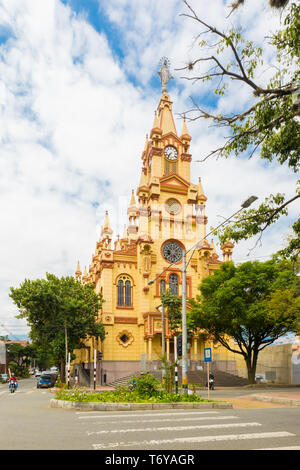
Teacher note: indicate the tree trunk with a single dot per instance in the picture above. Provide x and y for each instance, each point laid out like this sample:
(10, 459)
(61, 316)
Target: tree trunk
(251, 362)
(62, 370)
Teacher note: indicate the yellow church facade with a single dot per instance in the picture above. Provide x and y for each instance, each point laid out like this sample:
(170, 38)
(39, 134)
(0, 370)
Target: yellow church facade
(166, 213)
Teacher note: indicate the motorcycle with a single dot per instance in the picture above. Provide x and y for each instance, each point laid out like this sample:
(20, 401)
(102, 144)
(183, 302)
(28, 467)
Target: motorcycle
(211, 383)
(12, 387)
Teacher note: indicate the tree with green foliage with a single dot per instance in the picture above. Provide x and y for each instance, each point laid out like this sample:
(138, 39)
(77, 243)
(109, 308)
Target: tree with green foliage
(173, 306)
(248, 307)
(60, 312)
(19, 357)
(270, 126)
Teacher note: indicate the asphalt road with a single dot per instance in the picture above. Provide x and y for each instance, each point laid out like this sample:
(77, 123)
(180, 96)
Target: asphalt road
(28, 423)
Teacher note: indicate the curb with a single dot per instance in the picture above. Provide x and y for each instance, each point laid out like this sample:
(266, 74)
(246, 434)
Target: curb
(93, 406)
(281, 400)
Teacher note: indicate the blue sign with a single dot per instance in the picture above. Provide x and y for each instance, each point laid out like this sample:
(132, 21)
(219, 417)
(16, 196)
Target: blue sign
(207, 354)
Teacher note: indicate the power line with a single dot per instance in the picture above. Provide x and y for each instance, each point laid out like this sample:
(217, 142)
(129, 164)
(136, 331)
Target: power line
(3, 326)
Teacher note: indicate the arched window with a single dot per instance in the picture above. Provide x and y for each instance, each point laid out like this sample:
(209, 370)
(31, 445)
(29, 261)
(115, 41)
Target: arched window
(127, 293)
(173, 283)
(124, 292)
(120, 293)
(162, 287)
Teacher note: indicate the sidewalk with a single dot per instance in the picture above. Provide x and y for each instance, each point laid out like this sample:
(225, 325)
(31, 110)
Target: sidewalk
(259, 397)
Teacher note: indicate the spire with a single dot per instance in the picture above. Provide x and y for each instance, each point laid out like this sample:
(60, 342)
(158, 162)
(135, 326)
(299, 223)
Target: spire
(106, 231)
(132, 201)
(85, 275)
(132, 210)
(185, 132)
(201, 196)
(106, 222)
(156, 122)
(143, 179)
(165, 116)
(78, 271)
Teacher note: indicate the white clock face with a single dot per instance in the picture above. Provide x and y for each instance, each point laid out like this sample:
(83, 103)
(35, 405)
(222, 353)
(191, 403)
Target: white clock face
(171, 152)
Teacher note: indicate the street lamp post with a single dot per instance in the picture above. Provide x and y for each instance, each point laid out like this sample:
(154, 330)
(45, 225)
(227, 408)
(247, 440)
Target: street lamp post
(160, 308)
(184, 328)
(244, 205)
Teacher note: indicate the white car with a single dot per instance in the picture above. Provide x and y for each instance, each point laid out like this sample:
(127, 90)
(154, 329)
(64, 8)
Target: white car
(260, 379)
(38, 373)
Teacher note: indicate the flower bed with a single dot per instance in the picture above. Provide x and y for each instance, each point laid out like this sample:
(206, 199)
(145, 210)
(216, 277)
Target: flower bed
(144, 389)
(125, 396)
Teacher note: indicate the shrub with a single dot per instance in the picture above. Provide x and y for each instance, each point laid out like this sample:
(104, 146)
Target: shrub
(146, 385)
(124, 396)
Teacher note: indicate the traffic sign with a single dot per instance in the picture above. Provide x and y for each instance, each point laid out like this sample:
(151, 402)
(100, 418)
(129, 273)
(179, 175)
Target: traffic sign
(207, 354)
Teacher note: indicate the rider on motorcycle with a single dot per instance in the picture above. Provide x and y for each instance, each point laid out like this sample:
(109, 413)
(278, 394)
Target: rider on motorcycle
(14, 379)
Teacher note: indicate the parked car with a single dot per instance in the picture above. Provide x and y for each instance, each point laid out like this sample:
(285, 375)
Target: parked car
(46, 381)
(4, 378)
(38, 373)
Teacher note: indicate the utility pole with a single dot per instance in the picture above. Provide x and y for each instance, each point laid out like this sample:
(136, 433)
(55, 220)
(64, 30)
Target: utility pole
(176, 366)
(66, 347)
(95, 367)
(163, 339)
(184, 329)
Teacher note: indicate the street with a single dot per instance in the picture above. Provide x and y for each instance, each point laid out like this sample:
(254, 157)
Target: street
(28, 423)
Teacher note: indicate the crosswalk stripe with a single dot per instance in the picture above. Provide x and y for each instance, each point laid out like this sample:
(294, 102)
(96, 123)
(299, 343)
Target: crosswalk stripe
(126, 415)
(281, 448)
(197, 439)
(200, 418)
(178, 428)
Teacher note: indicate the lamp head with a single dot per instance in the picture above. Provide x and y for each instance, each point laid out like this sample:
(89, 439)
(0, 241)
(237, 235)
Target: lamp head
(249, 201)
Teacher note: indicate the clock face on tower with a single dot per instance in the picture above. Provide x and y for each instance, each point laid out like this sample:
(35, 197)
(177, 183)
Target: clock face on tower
(170, 152)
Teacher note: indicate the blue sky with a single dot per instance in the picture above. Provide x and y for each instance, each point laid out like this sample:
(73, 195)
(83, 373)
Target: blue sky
(78, 90)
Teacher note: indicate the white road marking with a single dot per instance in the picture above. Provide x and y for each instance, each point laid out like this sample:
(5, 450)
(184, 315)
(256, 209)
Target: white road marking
(125, 414)
(197, 439)
(178, 428)
(281, 448)
(172, 420)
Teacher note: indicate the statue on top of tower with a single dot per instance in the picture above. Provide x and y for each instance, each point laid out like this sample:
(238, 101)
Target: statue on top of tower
(164, 73)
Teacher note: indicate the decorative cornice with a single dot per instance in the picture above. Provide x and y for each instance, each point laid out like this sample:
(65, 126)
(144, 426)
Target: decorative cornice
(186, 157)
(128, 320)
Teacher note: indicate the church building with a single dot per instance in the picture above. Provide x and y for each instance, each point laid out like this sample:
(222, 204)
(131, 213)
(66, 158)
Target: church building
(167, 212)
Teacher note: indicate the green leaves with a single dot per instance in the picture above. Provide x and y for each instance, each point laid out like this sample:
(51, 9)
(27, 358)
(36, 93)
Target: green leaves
(269, 127)
(254, 303)
(50, 304)
(172, 303)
